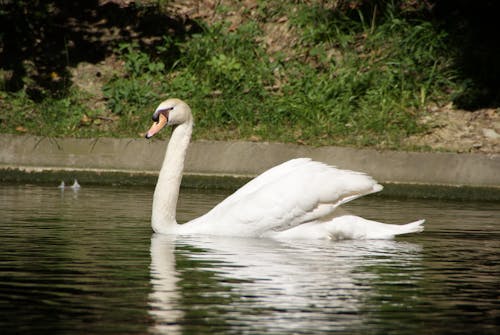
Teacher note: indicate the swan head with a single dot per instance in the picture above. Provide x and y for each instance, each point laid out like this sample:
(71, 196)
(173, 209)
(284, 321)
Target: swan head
(170, 112)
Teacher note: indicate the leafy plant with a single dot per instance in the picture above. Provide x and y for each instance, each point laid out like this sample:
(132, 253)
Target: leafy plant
(128, 95)
(355, 77)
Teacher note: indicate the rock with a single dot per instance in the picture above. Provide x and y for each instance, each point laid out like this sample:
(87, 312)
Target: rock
(490, 133)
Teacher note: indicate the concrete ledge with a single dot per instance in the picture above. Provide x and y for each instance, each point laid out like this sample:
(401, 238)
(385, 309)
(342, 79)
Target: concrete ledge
(140, 158)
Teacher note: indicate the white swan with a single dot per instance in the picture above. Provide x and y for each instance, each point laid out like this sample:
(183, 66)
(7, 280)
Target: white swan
(296, 199)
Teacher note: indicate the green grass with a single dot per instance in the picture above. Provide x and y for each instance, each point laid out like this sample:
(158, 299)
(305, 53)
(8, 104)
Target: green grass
(349, 81)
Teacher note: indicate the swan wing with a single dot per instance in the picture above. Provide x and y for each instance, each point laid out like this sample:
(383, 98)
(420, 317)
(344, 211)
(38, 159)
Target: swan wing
(283, 197)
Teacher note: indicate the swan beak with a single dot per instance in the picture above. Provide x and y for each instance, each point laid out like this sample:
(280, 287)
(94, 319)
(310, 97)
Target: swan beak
(156, 127)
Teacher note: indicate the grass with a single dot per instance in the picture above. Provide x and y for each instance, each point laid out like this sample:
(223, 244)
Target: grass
(349, 80)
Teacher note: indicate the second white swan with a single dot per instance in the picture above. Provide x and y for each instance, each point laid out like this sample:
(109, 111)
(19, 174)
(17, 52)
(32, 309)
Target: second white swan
(298, 199)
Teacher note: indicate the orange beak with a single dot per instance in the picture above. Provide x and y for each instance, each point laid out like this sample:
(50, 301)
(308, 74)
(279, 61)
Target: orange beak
(157, 126)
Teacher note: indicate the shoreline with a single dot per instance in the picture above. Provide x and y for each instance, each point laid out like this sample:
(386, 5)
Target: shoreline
(218, 164)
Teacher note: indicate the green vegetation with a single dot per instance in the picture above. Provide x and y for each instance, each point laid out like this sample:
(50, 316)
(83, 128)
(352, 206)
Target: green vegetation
(351, 77)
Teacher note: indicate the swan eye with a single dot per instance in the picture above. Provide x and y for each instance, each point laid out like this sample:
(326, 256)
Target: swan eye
(156, 115)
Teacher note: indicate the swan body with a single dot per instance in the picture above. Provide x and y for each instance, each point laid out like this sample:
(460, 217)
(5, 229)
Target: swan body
(298, 199)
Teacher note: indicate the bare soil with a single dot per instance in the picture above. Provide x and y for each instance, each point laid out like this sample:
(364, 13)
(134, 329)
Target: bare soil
(460, 131)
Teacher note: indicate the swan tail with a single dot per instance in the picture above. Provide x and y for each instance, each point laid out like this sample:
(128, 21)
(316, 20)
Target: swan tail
(412, 227)
(355, 227)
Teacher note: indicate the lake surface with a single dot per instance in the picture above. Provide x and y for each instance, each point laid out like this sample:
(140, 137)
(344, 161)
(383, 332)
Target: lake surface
(86, 262)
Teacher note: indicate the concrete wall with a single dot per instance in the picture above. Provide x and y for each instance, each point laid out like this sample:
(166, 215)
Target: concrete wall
(141, 156)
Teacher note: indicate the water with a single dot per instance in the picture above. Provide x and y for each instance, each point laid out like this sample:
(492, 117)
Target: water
(86, 262)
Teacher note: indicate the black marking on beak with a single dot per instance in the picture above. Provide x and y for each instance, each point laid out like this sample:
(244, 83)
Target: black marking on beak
(156, 115)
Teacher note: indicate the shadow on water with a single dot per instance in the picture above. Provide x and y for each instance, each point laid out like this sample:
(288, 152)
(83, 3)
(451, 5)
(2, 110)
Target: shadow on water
(86, 262)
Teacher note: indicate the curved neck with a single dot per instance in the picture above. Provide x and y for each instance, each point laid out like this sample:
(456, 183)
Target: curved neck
(169, 180)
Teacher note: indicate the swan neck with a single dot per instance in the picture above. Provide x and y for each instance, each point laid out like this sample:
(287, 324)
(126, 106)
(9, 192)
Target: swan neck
(169, 180)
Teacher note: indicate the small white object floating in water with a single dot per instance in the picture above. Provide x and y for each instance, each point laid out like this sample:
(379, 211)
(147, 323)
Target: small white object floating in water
(75, 185)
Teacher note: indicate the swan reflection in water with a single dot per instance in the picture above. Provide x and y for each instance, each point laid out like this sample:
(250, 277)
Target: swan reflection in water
(254, 284)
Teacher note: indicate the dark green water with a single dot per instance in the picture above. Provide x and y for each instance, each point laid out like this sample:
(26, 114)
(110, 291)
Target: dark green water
(86, 262)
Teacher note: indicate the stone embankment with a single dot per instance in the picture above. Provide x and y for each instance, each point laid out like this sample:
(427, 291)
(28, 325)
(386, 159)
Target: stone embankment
(229, 164)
